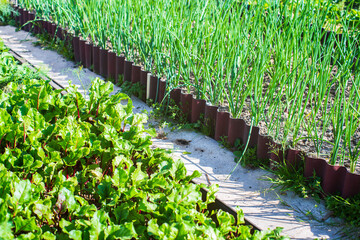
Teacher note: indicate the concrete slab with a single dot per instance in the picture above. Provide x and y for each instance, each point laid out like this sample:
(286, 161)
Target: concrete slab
(267, 208)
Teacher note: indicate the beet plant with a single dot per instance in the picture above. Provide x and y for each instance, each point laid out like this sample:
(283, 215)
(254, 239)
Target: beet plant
(85, 169)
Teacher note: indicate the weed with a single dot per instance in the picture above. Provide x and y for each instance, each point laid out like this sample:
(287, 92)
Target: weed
(110, 79)
(348, 209)
(206, 126)
(133, 89)
(289, 178)
(120, 80)
(225, 143)
(168, 112)
(249, 160)
(173, 116)
(62, 47)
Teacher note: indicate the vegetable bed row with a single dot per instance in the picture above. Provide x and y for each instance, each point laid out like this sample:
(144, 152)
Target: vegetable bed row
(95, 54)
(83, 169)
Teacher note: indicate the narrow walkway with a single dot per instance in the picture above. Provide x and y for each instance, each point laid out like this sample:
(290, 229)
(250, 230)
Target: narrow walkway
(300, 218)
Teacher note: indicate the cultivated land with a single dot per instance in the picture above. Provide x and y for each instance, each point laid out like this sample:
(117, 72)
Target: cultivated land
(261, 205)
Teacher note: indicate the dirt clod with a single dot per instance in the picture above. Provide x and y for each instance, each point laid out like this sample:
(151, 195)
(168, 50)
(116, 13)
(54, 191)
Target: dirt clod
(182, 142)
